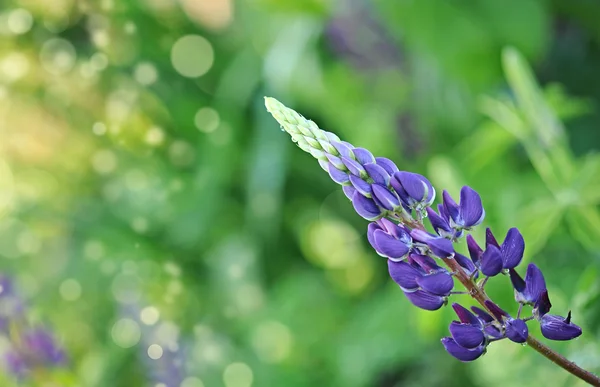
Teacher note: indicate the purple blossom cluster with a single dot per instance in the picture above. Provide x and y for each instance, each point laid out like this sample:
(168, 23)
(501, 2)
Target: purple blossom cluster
(32, 347)
(415, 256)
(425, 263)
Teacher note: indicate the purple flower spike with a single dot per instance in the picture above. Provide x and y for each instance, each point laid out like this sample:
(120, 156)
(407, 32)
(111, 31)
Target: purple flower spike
(466, 335)
(15, 363)
(512, 249)
(366, 207)
(440, 283)
(404, 274)
(559, 328)
(42, 345)
(461, 353)
(414, 190)
(491, 261)
(516, 330)
(425, 300)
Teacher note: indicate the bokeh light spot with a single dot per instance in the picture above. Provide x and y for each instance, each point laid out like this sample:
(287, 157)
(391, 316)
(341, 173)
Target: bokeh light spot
(207, 120)
(154, 136)
(272, 341)
(191, 382)
(238, 375)
(126, 333)
(192, 56)
(19, 21)
(145, 73)
(155, 351)
(149, 315)
(99, 128)
(104, 161)
(57, 56)
(70, 290)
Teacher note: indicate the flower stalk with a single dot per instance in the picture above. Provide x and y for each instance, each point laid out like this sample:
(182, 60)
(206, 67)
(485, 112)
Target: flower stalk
(396, 202)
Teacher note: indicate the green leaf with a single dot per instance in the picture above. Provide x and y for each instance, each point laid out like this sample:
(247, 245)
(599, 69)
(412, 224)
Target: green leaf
(584, 224)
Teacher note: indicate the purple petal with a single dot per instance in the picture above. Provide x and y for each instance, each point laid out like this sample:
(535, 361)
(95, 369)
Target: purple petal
(558, 328)
(462, 353)
(491, 261)
(438, 223)
(378, 174)
(465, 263)
(495, 310)
(466, 335)
(354, 167)
(465, 316)
(441, 247)
(385, 198)
(519, 285)
(363, 156)
(15, 364)
(516, 330)
(340, 177)
(535, 283)
(542, 305)
(421, 236)
(387, 164)
(512, 249)
(474, 250)
(492, 332)
(349, 191)
(361, 186)
(425, 300)
(343, 148)
(336, 162)
(490, 239)
(471, 209)
(404, 274)
(366, 207)
(443, 213)
(482, 314)
(371, 228)
(450, 206)
(427, 263)
(417, 187)
(440, 284)
(389, 246)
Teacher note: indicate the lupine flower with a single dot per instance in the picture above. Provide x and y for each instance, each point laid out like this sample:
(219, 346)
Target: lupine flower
(469, 213)
(389, 198)
(529, 290)
(389, 239)
(415, 190)
(559, 328)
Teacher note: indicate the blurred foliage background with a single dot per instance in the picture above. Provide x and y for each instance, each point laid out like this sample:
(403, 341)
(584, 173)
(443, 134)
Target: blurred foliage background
(157, 222)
